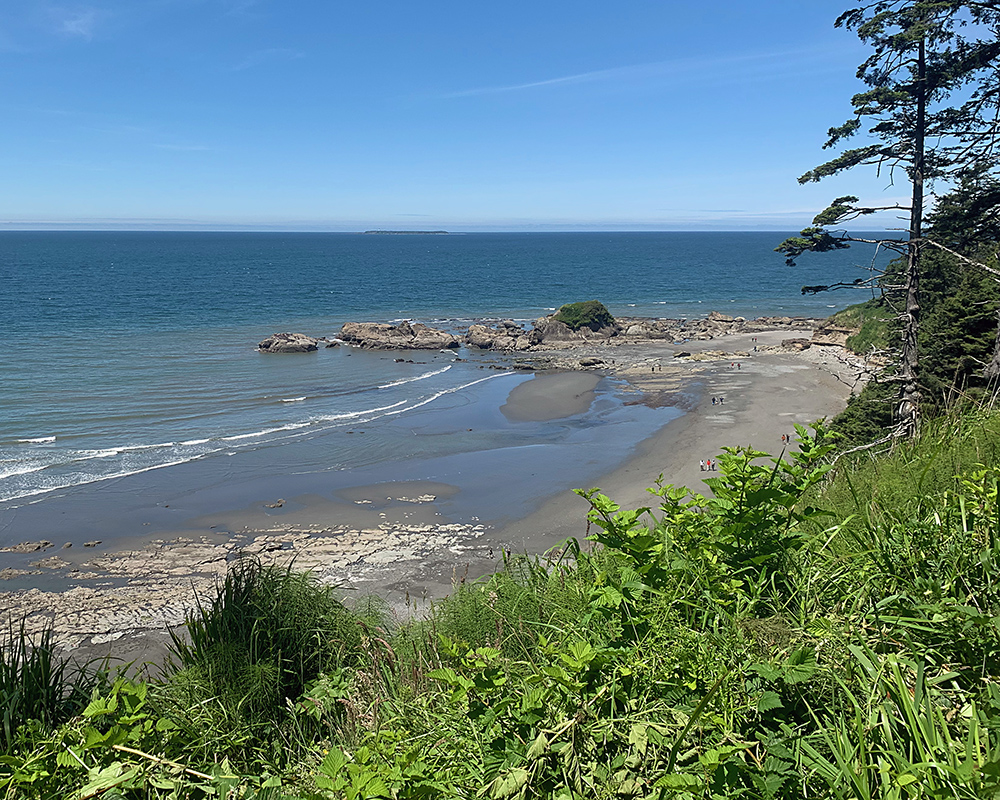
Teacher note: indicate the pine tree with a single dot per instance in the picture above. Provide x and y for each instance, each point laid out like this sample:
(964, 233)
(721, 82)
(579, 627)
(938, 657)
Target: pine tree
(922, 53)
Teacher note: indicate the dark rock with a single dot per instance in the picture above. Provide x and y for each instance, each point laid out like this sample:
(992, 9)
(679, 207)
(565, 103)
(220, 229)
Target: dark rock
(548, 329)
(288, 343)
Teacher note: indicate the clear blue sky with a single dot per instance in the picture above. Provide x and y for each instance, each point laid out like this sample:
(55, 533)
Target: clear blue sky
(316, 115)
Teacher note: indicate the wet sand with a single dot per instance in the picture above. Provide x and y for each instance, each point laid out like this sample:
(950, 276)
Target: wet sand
(392, 539)
(549, 397)
(764, 398)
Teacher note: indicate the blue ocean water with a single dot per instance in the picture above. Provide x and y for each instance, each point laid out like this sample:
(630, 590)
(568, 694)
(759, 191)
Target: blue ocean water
(128, 352)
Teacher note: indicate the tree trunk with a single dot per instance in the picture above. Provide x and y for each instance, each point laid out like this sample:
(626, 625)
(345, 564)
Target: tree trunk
(908, 410)
(993, 368)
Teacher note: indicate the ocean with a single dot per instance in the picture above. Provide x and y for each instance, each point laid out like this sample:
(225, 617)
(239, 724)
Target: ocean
(129, 376)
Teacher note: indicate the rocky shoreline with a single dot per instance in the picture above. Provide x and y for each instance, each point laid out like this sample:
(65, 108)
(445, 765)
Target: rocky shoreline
(117, 597)
(549, 333)
(128, 593)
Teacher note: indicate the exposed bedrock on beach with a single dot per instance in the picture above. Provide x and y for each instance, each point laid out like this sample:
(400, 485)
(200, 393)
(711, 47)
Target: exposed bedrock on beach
(404, 336)
(549, 333)
(288, 343)
(506, 336)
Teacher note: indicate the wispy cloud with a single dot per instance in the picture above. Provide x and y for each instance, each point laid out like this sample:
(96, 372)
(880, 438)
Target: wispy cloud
(78, 21)
(709, 66)
(269, 54)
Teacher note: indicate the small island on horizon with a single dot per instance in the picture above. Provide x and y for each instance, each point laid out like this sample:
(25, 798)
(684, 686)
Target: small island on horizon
(409, 233)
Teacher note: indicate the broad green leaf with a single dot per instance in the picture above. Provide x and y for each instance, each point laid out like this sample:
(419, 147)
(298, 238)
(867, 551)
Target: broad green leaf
(509, 784)
(768, 702)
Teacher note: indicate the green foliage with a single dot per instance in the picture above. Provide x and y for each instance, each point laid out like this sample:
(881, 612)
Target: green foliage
(876, 327)
(39, 689)
(589, 314)
(265, 635)
(726, 550)
(868, 414)
(735, 643)
(959, 328)
(528, 596)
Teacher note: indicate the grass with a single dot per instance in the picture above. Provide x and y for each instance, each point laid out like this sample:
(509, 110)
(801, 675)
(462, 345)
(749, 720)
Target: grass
(742, 644)
(38, 686)
(266, 633)
(875, 327)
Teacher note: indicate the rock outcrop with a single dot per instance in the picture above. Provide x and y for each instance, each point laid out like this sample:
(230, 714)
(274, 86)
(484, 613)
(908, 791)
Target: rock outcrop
(832, 335)
(507, 336)
(288, 343)
(404, 336)
(549, 331)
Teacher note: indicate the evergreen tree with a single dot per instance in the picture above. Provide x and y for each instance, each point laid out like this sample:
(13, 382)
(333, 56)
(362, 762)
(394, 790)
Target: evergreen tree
(923, 51)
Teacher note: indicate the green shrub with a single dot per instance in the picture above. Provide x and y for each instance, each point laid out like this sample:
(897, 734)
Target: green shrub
(39, 686)
(265, 635)
(589, 314)
(868, 416)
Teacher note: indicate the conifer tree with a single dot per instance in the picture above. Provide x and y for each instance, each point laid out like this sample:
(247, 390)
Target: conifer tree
(922, 53)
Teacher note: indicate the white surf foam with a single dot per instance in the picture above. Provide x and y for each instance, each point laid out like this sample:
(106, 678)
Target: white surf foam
(426, 375)
(265, 432)
(10, 473)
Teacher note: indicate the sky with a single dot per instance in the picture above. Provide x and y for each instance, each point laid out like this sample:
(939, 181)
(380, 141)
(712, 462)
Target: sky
(333, 116)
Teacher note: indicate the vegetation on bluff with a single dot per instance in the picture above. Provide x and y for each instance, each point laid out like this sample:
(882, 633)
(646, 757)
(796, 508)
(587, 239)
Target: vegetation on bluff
(588, 314)
(929, 111)
(806, 630)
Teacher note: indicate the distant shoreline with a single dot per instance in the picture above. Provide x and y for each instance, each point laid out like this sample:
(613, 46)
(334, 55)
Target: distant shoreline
(407, 233)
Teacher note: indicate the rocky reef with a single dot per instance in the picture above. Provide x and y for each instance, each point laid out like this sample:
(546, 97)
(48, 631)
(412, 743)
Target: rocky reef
(288, 343)
(404, 336)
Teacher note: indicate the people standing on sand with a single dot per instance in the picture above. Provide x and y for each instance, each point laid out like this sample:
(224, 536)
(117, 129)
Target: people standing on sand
(713, 401)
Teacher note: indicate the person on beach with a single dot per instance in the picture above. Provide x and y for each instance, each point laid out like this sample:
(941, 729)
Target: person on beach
(713, 401)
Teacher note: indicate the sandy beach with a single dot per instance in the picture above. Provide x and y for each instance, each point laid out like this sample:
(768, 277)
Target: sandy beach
(390, 539)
